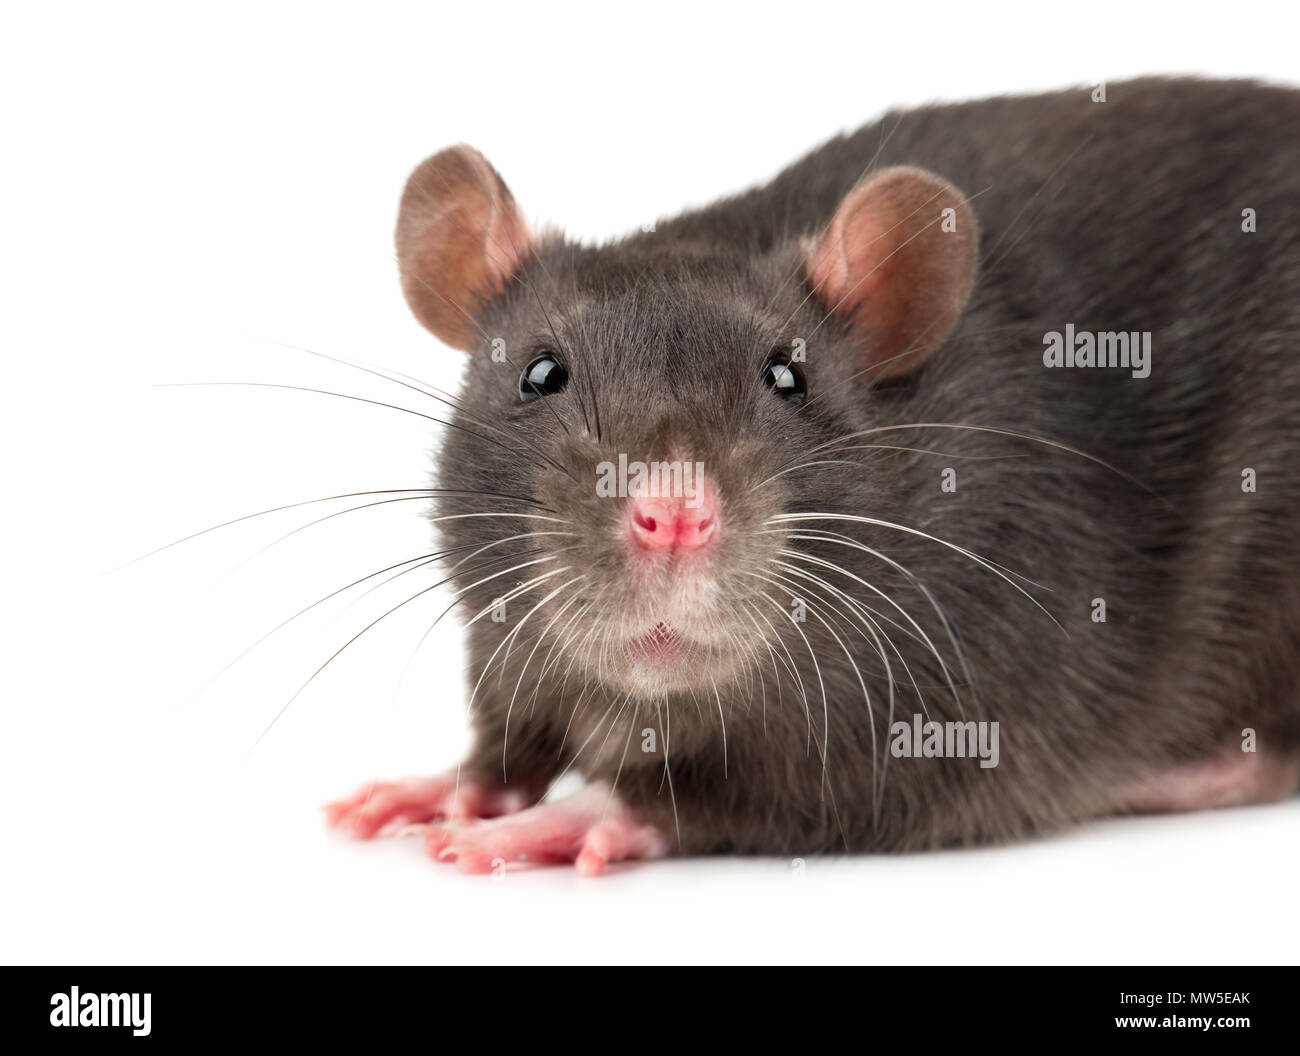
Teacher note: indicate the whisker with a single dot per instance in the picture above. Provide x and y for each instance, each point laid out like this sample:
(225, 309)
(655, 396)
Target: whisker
(362, 399)
(812, 655)
(477, 549)
(425, 389)
(542, 637)
(839, 539)
(792, 667)
(263, 513)
(978, 429)
(884, 447)
(563, 640)
(302, 612)
(814, 609)
(664, 733)
(463, 593)
(345, 645)
(982, 562)
(619, 772)
(919, 634)
(723, 719)
(869, 627)
(595, 730)
(510, 596)
(328, 517)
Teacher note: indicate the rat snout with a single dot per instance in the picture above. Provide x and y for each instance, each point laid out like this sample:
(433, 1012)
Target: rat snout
(666, 559)
(673, 522)
(658, 524)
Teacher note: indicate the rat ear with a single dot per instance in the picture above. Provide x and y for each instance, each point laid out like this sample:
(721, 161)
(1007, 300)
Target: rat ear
(460, 241)
(896, 265)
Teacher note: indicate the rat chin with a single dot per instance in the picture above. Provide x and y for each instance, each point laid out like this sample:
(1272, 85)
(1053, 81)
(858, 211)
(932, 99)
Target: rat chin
(664, 660)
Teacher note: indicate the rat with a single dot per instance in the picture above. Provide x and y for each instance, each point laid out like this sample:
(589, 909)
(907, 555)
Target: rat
(940, 492)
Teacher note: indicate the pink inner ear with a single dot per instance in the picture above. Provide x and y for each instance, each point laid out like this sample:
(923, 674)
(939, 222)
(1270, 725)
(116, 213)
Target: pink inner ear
(895, 268)
(850, 261)
(507, 241)
(460, 241)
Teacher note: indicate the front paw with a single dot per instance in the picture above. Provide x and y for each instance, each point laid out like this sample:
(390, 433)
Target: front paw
(590, 829)
(387, 807)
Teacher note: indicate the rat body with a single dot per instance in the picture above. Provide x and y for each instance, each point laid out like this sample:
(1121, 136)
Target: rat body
(903, 495)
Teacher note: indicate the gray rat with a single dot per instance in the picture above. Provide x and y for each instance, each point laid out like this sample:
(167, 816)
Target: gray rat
(941, 491)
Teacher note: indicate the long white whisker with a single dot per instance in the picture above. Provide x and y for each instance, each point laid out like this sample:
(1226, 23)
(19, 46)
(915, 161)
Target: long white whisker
(509, 597)
(529, 660)
(866, 694)
(786, 518)
(839, 539)
(792, 667)
(980, 429)
(812, 655)
(870, 614)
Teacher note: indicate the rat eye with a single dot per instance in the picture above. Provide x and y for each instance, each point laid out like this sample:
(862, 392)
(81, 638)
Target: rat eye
(544, 376)
(785, 377)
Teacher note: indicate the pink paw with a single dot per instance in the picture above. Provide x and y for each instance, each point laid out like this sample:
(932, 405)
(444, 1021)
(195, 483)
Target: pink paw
(386, 807)
(591, 829)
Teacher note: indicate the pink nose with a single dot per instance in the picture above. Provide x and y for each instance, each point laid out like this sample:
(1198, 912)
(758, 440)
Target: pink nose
(668, 523)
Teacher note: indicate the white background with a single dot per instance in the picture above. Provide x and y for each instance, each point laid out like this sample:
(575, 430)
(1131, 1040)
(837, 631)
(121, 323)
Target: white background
(185, 195)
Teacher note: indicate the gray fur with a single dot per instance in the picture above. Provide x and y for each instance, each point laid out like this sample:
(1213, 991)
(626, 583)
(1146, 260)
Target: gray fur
(1117, 215)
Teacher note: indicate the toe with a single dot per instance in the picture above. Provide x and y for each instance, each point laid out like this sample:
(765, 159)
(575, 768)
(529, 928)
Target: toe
(590, 862)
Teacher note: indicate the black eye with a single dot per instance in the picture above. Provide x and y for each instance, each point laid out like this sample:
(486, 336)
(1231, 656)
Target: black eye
(544, 376)
(785, 377)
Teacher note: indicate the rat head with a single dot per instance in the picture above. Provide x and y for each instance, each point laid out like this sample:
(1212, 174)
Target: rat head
(633, 413)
